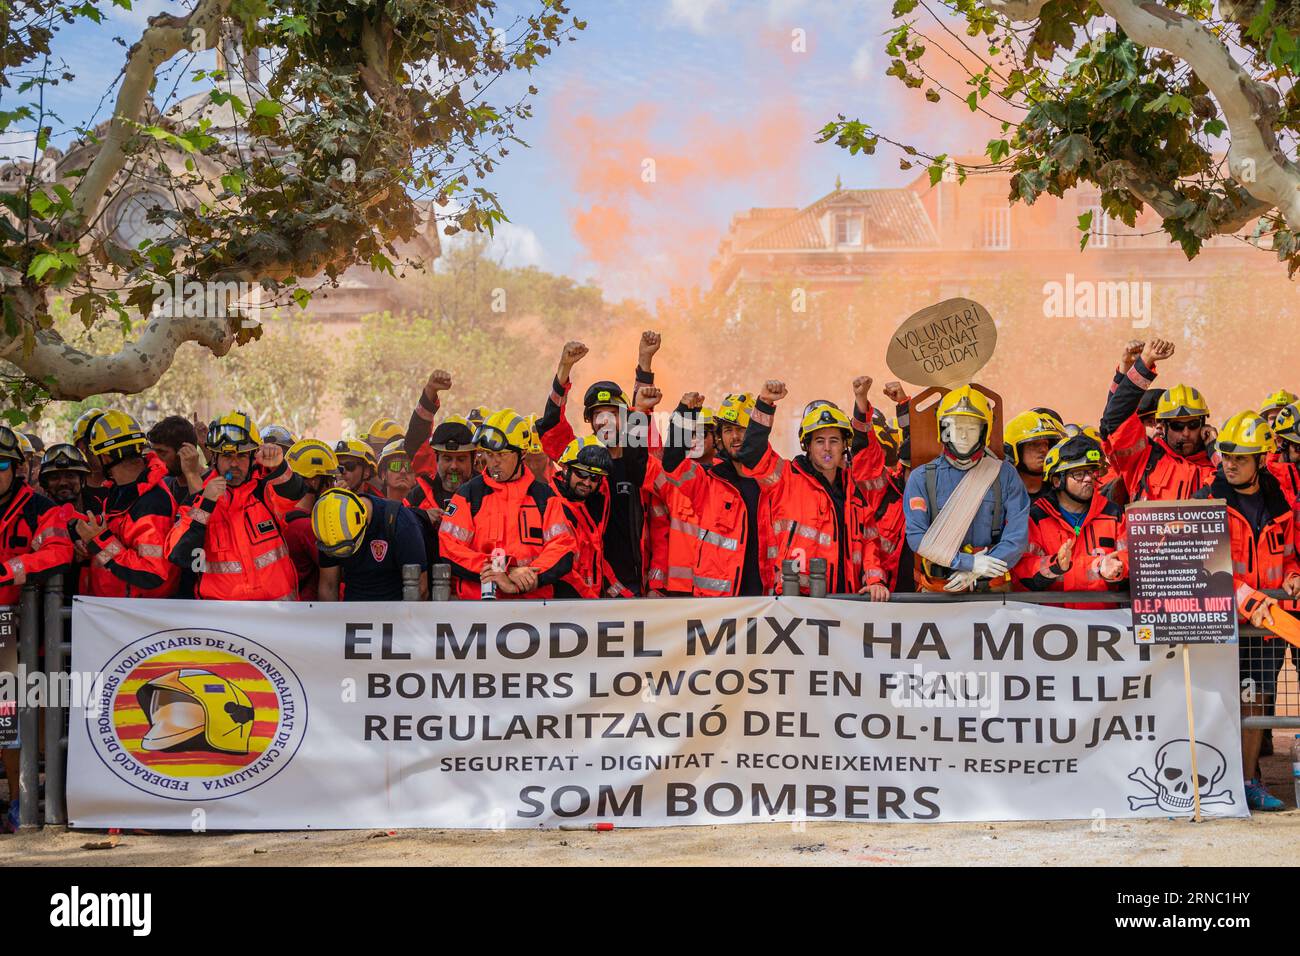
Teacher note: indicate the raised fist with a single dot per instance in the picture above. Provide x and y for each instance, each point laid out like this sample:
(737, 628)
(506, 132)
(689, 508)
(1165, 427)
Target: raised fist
(270, 456)
(773, 391)
(861, 386)
(1157, 350)
(1131, 351)
(693, 400)
(650, 342)
(572, 354)
(439, 381)
(648, 396)
(895, 392)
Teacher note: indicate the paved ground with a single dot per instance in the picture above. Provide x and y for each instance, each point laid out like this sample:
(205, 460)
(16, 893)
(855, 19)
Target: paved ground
(1263, 840)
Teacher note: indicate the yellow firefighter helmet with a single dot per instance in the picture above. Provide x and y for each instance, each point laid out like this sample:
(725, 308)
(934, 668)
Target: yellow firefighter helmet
(191, 708)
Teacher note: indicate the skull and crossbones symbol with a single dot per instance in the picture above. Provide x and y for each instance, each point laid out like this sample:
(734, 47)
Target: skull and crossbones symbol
(1172, 787)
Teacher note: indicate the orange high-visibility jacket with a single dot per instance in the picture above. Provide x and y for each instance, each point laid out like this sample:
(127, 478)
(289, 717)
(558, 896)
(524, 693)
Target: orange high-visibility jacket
(803, 514)
(1288, 477)
(708, 530)
(591, 576)
(129, 559)
(1264, 561)
(672, 555)
(1152, 471)
(34, 538)
(521, 516)
(554, 434)
(1102, 533)
(237, 543)
(884, 529)
(882, 524)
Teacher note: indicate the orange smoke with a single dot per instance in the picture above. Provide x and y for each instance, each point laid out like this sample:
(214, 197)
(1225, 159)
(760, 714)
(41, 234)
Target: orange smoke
(644, 180)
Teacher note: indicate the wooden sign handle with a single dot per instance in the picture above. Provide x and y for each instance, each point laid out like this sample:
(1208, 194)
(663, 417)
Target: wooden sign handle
(1191, 729)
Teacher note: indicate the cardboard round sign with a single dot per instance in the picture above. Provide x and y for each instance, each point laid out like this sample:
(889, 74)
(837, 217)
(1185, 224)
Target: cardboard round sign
(943, 344)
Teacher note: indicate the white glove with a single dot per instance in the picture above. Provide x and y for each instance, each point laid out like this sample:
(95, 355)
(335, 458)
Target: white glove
(961, 581)
(986, 567)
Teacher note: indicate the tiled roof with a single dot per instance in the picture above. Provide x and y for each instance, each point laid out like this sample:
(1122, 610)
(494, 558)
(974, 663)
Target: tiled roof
(893, 219)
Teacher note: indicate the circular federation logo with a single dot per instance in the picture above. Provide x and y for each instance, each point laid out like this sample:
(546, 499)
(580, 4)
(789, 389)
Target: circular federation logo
(197, 714)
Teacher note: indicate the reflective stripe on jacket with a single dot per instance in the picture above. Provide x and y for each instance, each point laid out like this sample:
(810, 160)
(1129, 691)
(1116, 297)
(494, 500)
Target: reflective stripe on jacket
(1102, 533)
(522, 516)
(1265, 560)
(236, 545)
(129, 559)
(34, 539)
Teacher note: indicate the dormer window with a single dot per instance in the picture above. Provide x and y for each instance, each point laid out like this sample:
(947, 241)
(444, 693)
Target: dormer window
(848, 229)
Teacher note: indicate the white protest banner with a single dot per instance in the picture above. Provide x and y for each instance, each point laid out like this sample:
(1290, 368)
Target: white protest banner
(640, 713)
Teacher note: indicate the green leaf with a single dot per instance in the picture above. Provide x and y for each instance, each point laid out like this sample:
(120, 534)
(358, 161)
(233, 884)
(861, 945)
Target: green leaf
(1157, 104)
(268, 107)
(295, 25)
(301, 297)
(1071, 151)
(1215, 127)
(42, 264)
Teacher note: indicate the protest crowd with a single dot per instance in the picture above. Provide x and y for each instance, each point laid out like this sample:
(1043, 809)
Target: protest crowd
(521, 506)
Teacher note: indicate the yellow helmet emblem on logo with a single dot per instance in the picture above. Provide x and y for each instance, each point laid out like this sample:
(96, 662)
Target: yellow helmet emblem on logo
(194, 708)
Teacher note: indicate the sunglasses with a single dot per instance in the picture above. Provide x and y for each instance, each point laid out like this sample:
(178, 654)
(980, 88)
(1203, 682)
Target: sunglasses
(1184, 426)
(349, 466)
(398, 466)
(6, 464)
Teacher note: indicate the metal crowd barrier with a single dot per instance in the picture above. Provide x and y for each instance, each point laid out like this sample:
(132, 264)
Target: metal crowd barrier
(46, 617)
(29, 783)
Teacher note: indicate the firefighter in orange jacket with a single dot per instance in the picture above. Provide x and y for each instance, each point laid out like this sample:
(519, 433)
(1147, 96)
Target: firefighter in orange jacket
(814, 509)
(1285, 462)
(1263, 535)
(1273, 405)
(126, 534)
(883, 525)
(1173, 463)
(504, 532)
(1026, 441)
(581, 487)
(616, 420)
(720, 521)
(1077, 540)
(879, 521)
(34, 539)
(669, 549)
(229, 534)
